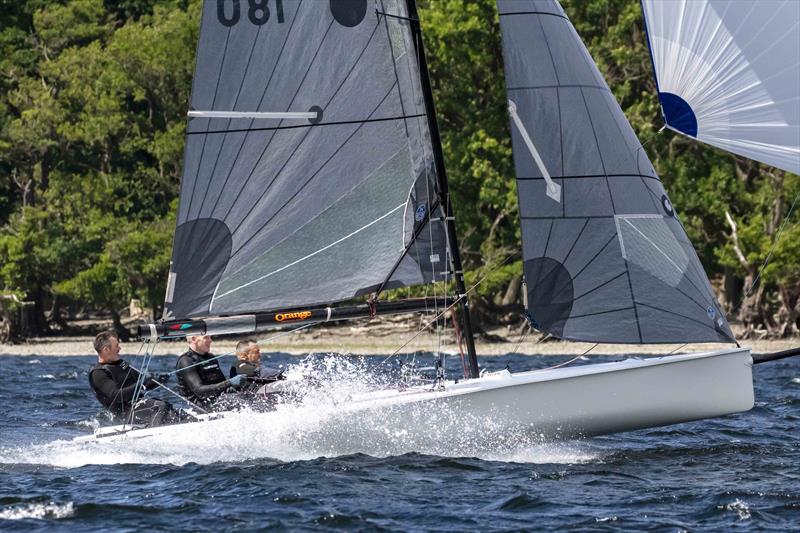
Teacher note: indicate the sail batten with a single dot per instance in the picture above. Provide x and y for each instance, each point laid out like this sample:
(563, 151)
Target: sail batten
(608, 260)
(289, 212)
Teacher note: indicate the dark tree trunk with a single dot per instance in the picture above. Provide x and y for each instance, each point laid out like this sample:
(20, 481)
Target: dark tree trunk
(122, 332)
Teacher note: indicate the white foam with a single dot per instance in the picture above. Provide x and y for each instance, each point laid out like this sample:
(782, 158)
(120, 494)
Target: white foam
(741, 508)
(39, 511)
(324, 423)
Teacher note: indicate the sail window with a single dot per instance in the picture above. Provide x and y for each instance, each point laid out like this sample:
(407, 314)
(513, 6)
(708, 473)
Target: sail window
(647, 241)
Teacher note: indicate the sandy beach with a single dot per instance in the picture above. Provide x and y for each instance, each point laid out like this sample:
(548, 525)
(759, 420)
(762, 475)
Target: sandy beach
(383, 336)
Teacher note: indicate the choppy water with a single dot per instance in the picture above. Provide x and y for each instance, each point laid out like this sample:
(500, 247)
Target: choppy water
(737, 472)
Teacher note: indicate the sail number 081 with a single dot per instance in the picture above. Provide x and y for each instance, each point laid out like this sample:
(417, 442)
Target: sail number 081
(257, 11)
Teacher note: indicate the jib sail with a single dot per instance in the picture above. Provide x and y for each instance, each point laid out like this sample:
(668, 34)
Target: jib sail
(605, 256)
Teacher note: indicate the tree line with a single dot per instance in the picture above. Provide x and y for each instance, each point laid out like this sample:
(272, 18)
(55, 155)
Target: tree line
(92, 120)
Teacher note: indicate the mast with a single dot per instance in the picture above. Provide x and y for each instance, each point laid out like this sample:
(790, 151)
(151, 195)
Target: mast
(455, 256)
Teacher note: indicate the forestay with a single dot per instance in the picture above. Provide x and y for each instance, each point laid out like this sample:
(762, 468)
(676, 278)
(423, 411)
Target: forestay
(728, 74)
(605, 256)
(322, 203)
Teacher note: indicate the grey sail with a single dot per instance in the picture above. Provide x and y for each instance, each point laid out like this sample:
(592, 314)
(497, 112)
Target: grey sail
(605, 257)
(323, 201)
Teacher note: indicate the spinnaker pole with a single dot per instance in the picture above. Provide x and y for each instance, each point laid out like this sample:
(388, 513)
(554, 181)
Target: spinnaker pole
(441, 175)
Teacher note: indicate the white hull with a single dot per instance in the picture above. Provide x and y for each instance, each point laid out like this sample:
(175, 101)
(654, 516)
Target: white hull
(551, 404)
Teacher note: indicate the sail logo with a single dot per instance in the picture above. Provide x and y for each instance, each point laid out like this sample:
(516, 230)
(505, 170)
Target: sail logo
(258, 11)
(419, 214)
(296, 315)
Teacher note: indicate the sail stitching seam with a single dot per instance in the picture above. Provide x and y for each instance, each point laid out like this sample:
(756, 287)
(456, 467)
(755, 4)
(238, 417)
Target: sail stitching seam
(613, 208)
(260, 101)
(298, 126)
(298, 145)
(222, 144)
(578, 176)
(603, 312)
(269, 143)
(613, 236)
(575, 242)
(598, 286)
(534, 13)
(323, 212)
(677, 314)
(193, 229)
(560, 86)
(308, 256)
(307, 181)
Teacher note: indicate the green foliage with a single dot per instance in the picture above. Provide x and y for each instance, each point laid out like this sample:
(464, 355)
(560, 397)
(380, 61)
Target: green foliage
(92, 119)
(465, 62)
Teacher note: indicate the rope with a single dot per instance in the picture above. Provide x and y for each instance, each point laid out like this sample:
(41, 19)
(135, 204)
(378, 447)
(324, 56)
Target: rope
(565, 363)
(678, 348)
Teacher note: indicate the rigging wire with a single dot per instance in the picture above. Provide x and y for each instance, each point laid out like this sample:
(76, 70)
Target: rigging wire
(752, 287)
(449, 307)
(226, 354)
(526, 329)
(177, 395)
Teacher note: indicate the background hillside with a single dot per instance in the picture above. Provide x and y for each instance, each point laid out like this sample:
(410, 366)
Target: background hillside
(93, 98)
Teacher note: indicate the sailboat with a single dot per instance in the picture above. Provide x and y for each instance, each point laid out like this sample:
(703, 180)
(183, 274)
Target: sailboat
(314, 175)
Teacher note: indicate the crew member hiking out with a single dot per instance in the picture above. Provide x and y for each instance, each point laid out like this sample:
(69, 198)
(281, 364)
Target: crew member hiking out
(114, 383)
(200, 378)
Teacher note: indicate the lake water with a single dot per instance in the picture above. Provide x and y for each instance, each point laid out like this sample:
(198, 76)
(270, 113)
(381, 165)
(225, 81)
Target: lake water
(740, 472)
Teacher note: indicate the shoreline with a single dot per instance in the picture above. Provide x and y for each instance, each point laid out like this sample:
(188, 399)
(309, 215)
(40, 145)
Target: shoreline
(383, 338)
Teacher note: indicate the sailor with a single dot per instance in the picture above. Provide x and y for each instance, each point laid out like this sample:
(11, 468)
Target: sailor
(200, 378)
(248, 364)
(114, 383)
(248, 359)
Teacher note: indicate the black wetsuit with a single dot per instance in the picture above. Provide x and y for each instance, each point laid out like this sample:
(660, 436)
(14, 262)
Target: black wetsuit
(201, 384)
(244, 368)
(114, 384)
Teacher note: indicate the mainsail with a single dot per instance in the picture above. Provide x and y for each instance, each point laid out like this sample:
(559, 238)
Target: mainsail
(728, 74)
(605, 256)
(309, 173)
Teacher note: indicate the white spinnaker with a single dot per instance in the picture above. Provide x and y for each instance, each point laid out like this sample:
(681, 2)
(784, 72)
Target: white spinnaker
(737, 66)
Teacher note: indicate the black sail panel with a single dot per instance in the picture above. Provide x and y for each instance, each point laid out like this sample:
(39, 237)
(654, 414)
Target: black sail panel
(604, 255)
(286, 211)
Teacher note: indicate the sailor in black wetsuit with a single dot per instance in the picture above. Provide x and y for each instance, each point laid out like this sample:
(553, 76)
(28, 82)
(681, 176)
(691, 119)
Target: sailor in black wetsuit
(200, 378)
(248, 364)
(258, 390)
(114, 383)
